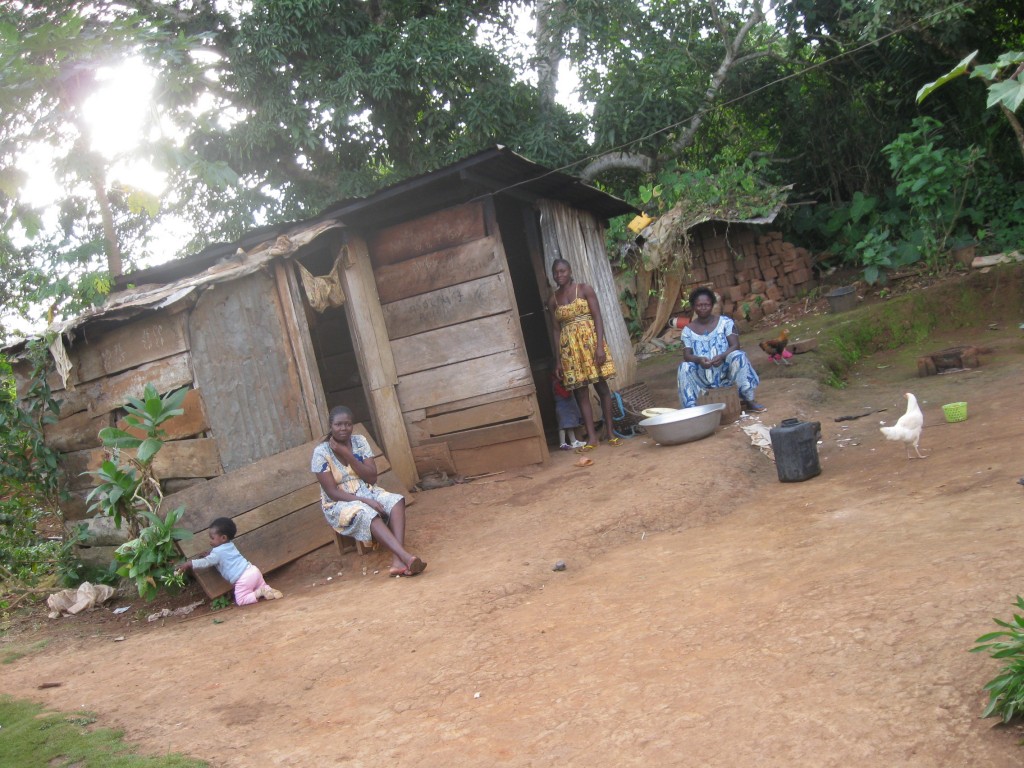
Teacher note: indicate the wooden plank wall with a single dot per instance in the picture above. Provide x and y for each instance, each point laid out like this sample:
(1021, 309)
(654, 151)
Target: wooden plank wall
(242, 446)
(233, 339)
(465, 386)
(276, 505)
(111, 364)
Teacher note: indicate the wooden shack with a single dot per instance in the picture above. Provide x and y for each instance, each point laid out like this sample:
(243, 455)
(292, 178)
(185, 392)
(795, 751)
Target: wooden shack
(420, 307)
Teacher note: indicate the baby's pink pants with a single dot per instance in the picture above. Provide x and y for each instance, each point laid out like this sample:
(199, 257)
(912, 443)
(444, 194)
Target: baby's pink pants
(247, 584)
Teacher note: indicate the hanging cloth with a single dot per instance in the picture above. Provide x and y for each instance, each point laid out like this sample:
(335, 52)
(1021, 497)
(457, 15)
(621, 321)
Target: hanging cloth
(324, 291)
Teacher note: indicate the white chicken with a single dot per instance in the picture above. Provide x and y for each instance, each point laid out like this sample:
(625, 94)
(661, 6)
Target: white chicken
(908, 428)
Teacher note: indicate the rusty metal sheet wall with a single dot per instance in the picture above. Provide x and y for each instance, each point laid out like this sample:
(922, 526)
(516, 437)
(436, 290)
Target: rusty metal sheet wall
(243, 364)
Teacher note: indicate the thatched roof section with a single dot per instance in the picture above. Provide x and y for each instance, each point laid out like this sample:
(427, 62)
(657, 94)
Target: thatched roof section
(667, 240)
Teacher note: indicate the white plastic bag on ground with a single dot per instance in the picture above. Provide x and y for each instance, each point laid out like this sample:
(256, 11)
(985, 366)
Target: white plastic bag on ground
(72, 601)
(759, 436)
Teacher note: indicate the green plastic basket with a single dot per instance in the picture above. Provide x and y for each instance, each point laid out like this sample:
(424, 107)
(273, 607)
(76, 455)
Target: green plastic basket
(955, 412)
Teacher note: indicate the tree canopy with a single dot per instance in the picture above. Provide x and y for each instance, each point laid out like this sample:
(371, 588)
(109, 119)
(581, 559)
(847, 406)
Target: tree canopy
(269, 110)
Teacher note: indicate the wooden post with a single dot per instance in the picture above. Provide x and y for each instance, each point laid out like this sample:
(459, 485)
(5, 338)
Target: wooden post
(376, 361)
(302, 347)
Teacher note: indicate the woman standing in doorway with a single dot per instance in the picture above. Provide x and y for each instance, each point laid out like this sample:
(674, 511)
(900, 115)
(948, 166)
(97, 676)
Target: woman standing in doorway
(583, 357)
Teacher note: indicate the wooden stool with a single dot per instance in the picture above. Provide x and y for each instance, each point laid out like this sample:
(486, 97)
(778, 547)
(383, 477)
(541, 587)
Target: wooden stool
(346, 544)
(728, 395)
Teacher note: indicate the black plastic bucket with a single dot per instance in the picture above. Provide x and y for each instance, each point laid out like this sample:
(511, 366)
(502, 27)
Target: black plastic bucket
(842, 299)
(795, 444)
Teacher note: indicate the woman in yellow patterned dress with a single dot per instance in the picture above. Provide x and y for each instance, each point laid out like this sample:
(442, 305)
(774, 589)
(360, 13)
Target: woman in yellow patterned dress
(583, 357)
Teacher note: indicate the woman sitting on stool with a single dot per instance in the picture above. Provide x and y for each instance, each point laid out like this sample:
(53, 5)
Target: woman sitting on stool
(353, 503)
(712, 356)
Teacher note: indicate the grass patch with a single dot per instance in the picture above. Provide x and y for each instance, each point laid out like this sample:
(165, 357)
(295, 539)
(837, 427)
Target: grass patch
(11, 655)
(31, 737)
(911, 319)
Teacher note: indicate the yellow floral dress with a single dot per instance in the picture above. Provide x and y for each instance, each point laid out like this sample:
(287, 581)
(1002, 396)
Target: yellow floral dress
(578, 343)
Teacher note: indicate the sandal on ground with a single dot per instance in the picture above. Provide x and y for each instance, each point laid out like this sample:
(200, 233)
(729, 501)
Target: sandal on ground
(586, 448)
(615, 441)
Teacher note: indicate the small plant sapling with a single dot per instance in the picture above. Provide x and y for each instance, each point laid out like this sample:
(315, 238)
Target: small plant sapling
(128, 489)
(130, 493)
(149, 560)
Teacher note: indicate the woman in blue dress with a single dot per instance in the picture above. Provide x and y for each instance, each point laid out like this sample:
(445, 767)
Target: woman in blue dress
(712, 356)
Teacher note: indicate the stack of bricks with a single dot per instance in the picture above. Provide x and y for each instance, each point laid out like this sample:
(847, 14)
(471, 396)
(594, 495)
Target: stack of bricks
(752, 272)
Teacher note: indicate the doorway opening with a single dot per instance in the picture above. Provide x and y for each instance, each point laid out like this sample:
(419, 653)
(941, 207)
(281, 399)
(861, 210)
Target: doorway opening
(336, 359)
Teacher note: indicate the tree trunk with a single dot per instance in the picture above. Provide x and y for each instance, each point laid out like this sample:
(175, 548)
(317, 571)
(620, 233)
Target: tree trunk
(1018, 130)
(729, 60)
(111, 246)
(549, 50)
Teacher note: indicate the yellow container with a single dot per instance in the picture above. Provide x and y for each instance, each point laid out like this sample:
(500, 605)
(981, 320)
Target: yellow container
(639, 223)
(955, 412)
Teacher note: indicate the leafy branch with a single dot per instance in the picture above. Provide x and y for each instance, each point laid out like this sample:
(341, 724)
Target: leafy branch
(1004, 79)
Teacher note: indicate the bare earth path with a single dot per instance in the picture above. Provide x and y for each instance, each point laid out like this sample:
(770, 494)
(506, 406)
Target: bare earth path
(709, 615)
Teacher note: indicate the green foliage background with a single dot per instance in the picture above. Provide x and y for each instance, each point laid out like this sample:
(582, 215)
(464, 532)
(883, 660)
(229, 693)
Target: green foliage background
(272, 110)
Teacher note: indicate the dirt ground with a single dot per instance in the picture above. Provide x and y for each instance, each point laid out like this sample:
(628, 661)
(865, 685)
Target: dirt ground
(708, 615)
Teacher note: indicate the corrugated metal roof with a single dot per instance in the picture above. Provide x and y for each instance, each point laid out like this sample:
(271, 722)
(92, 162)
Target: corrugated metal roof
(227, 266)
(494, 171)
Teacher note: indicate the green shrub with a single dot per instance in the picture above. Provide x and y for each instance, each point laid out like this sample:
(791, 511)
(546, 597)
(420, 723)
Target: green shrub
(130, 494)
(149, 560)
(1006, 690)
(30, 475)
